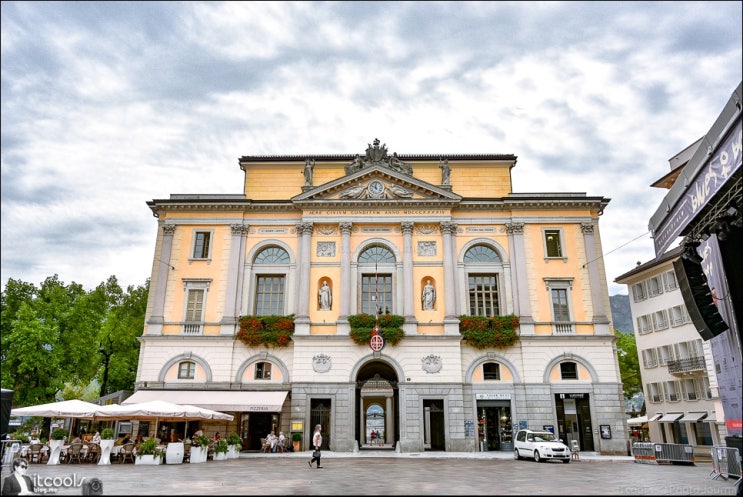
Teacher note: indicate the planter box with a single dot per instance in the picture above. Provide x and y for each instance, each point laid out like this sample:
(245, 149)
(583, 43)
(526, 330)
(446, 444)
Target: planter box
(106, 446)
(148, 459)
(220, 456)
(55, 448)
(232, 452)
(198, 454)
(174, 453)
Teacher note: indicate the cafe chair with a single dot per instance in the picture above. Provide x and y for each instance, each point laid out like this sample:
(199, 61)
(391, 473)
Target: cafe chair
(73, 453)
(127, 452)
(35, 454)
(265, 446)
(94, 453)
(186, 451)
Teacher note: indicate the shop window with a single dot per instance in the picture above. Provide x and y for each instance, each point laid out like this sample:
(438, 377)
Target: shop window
(569, 370)
(491, 371)
(186, 370)
(263, 371)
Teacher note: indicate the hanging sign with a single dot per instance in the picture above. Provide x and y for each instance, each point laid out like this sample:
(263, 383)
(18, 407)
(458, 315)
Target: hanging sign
(376, 342)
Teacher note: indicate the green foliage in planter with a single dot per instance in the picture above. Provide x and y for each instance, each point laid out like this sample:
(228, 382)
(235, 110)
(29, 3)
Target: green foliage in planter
(202, 441)
(221, 446)
(296, 436)
(148, 448)
(483, 332)
(107, 434)
(235, 440)
(390, 325)
(58, 434)
(271, 331)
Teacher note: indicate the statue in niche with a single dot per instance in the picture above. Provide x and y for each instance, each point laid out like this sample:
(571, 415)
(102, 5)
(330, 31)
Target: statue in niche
(325, 297)
(445, 171)
(428, 298)
(309, 165)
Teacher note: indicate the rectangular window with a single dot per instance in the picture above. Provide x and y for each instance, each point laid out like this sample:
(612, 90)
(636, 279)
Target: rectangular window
(678, 315)
(656, 393)
(643, 325)
(202, 244)
(269, 295)
(186, 370)
(660, 320)
(650, 358)
(665, 355)
(263, 371)
(691, 390)
(483, 294)
(639, 291)
(704, 434)
(669, 278)
(672, 391)
(553, 243)
(491, 371)
(376, 293)
(195, 305)
(569, 370)
(560, 308)
(655, 286)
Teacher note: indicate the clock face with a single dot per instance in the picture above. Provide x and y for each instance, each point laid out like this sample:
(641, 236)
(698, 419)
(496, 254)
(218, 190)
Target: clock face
(376, 188)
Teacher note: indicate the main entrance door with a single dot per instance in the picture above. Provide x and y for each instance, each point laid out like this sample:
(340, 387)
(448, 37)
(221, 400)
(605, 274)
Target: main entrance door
(377, 413)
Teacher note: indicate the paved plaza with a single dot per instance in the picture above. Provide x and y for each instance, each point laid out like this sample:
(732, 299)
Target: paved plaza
(388, 473)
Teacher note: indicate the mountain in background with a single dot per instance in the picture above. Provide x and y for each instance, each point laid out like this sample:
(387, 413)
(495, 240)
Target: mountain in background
(621, 315)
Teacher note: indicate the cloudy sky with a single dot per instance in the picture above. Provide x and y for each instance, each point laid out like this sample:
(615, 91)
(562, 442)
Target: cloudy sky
(106, 105)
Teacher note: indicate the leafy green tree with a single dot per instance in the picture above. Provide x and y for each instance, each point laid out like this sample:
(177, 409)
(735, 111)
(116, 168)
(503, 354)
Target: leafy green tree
(629, 364)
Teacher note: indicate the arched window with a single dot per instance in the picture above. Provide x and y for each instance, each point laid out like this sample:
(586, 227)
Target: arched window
(186, 370)
(483, 267)
(270, 288)
(377, 264)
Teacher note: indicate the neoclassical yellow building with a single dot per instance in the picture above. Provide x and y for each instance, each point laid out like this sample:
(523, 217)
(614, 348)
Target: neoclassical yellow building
(325, 238)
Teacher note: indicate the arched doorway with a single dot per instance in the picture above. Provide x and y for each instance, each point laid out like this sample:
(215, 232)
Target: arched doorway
(378, 412)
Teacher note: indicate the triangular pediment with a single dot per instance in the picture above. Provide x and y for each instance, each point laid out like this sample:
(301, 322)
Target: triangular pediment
(377, 185)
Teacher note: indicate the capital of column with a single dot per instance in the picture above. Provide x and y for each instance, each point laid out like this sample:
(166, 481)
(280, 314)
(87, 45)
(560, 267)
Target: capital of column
(345, 228)
(586, 228)
(168, 229)
(515, 228)
(448, 227)
(240, 229)
(303, 228)
(407, 227)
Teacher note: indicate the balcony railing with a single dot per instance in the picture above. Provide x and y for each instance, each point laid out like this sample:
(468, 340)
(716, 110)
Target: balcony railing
(191, 328)
(563, 329)
(687, 365)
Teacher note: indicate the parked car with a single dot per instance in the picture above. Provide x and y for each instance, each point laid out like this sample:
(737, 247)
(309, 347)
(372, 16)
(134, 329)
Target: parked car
(540, 446)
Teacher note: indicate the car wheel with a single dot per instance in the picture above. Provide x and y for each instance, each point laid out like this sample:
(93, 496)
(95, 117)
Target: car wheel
(516, 455)
(566, 461)
(536, 456)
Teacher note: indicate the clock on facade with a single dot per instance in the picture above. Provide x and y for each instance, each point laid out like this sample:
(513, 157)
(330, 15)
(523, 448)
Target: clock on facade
(376, 189)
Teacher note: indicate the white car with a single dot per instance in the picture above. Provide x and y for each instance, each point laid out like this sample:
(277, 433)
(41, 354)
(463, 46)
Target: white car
(541, 446)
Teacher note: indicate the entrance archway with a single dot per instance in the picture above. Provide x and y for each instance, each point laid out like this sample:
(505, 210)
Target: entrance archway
(378, 410)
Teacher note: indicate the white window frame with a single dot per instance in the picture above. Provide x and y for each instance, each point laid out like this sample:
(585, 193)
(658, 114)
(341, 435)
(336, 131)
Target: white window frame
(678, 315)
(673, 391)
(210, 234)
(655, 286)
(266, 270)
(650, 358)
(186, 370)
(660, 320)
(691, 389)
(644, 324)
(560, 243)
(669, 281)
(639, 291)
(191, 325)
(655, 391)
(665, 353)
(561, 327)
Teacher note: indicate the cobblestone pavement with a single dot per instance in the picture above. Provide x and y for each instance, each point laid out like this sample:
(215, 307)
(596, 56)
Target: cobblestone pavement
(387, 474)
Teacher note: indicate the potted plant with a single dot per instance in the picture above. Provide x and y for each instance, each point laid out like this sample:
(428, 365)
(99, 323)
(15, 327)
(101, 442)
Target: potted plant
(234, 446)
(57, 439)
(220, 450)
(148, 453)
(107, 444)
(362, 328)
(199, 449)
(297, 441)
(482, 332)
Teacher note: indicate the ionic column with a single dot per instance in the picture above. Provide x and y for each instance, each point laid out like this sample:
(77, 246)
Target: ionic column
(231, 302)
(345, 287)
(447, 230)
(600, 320)
(407, 271)
(522, 304)
(303, 304)
(155, 323)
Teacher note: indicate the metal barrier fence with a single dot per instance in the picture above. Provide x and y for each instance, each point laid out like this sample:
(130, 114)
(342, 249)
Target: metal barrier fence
(644, 452)
(725, 463)
(674, 453)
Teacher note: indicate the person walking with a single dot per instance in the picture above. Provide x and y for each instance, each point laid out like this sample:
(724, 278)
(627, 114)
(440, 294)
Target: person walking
(316, 442)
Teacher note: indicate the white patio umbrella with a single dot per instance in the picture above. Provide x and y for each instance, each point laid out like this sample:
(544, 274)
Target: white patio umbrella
(63, 409)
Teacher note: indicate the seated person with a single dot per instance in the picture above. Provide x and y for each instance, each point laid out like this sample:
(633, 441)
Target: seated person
(279, 442)
(77, 440)
(217, 436)
(127, 439)
(96, 438)
(271, 440)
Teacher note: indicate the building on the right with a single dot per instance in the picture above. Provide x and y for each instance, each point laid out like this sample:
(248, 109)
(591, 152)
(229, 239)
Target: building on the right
(702, 211)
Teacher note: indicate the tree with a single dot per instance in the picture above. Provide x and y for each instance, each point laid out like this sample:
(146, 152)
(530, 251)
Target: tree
(629, 364)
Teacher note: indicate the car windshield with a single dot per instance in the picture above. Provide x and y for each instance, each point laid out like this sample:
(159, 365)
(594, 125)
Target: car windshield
(544, 437)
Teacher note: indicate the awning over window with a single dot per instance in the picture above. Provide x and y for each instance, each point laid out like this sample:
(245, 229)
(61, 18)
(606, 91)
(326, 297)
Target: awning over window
(712, 418)
(671, 417)
(693, 417)
(656, 416)
(232, 400)
(639, 421)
